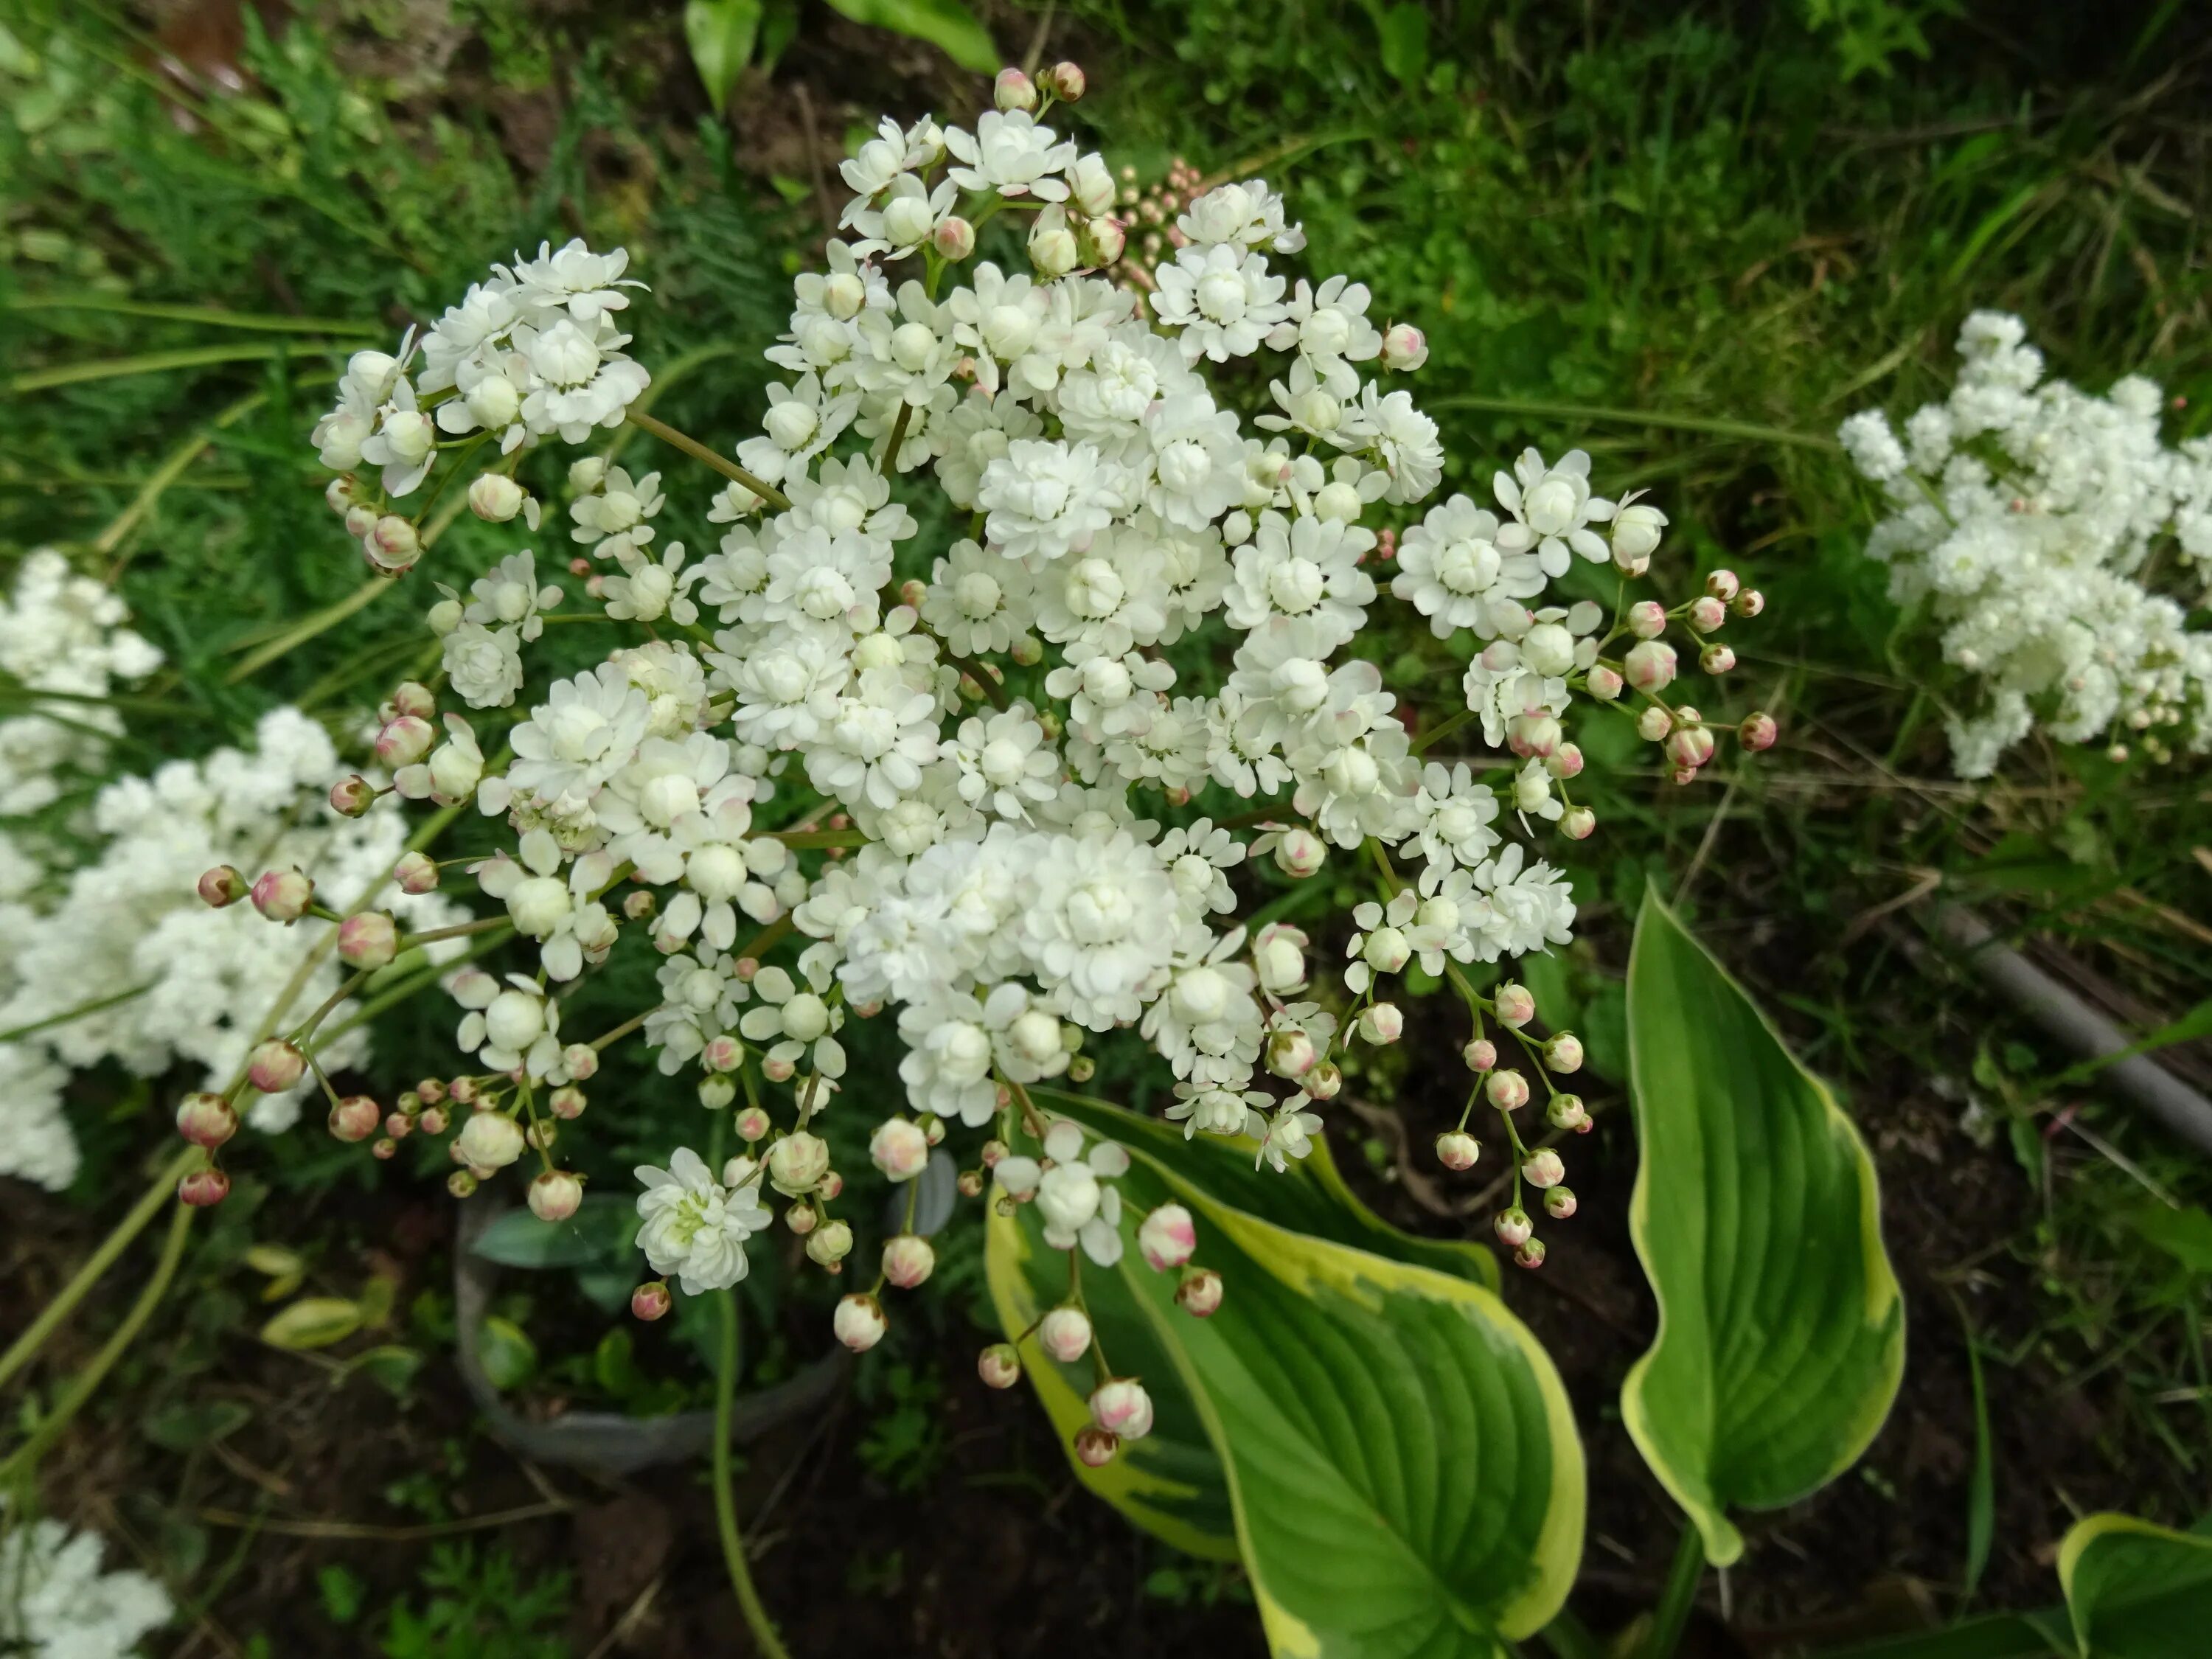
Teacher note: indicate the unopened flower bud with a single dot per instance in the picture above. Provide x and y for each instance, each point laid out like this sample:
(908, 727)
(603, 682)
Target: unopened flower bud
(445, 616)
(1654, 724)
(802, 1219)
(489, 1140)
(1515, 1004)
(433, 1121)
(360, 520)
(1065, 1334)
(1650, 665)
(797, 1163)
(1750, 603)
(715, 1093)
(1324, 1081)
(1717, 659)
(276, 1065)
(385, 1148)
(1095, 1447)
(555, 1195)
(581, 1062)
(355, 1118)
(404, 739)
(1537, 734)
(1544, 1167)
(1291, 1053)
(1507, 1089)
(998, 1365)
(1757, 732)
(1066, 81)
(1723, 584)
(206, 1119)
(1405, 348)
(1052, 245)
(417, 873)
(204, 1188)
(1279, 959)
(830, 1243)
(414, 698)
(1565, 763)
(462, 1090)
(496, 498)
(1457, 1150)
(1602, 682)
(899, 1148)
(1566, 1112)
(970, 1183)
(752, 1125)
(1480, 1054)
(832, 1184)
(1647, 619)
(369, 939)
(352, 795)
(392, 545)
(954, 237)
(1082, 1069)
(1514, 1227)
(1168, 1237)
(1382, 1023)
(650, 1300)
(1636, 530)
(1013, 90)
(1564, 1053)
(284, 895)
(1559, 1203)
(1122, 1408)
(1707, 613)
(639, 904)
(907, 1260)
(223, 886)
(1690, 747)
(1200, 1293)
(777, 1069)
(1530, 1254)
(1300, 853)
(1577, 823)
(1100, 242)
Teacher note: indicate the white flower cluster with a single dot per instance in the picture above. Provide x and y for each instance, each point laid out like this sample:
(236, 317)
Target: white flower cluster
(124, 960)
(56, 1603)
(982, 761)
(2037, 526)
(65, 639)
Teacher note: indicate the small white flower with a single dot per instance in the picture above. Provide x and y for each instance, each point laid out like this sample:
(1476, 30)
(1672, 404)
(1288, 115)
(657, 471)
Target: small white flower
(694, 1227)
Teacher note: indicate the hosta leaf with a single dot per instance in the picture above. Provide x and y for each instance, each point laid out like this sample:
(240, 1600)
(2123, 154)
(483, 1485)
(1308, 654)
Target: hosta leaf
(313, 1322)
(1755, 1213)
(721, 35)
(945, 24)
(1395, 1454)
(2135, 1590)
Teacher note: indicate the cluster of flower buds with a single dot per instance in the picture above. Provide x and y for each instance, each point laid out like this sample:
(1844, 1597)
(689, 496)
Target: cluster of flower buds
(1506, 1090)
(1649, 665)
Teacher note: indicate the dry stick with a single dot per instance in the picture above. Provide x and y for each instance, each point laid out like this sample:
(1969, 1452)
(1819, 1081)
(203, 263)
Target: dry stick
(2073, 1022)
(699, 451)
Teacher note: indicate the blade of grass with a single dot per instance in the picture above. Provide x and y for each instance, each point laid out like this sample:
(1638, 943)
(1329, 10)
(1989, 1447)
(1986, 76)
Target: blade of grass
(208, 316)
(156, 363)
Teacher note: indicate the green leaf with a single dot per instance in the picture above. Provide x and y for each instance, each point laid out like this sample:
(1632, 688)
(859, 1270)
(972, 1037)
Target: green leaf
(2135, 1590)
(603, 1226)
(188, 1425)
(1756, 1216)
(945, 24)
(313, 1322)
(390, 1366)
(722, 33)
(2184, 1234)
(1395, 1454)
(1403, 30)
(507, 1354)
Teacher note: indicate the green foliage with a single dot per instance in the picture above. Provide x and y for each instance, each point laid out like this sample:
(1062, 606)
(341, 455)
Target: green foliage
(1781, 1328)
(1401, 1470)
(2137, 1591)
(480, 1606)
(1869, 33)
(725, 35)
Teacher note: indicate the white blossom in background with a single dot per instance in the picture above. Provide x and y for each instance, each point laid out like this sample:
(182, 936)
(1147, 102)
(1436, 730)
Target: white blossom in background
(2058, 544)
(57, 1603)
(68, 636)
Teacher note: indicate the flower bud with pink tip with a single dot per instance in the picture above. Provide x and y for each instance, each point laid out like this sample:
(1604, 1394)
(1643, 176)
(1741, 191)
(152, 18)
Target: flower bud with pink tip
(1723, 584)
(284, 895)
(954, 237)
(1507, 1089)
(566, 1102)
(1014, 90)
(369, 939)
(404, 739)
(1647, 619)
(1200, 1293)
(206, 1119)
(1480, 1054)
(1067, 82)
(650, 1300)
(1095, 1447)
(1690, 746)
(1707, 614)
(1530, 1254)
(1717, 660)
(998, 1365)
(1559, 1203)
(1544, 1167)
(417, 873)
(391, 545)
(275, 1066)
(909, 1260)
(555, 1195)
(1602, 682)
(223, 886)
(204, 1188)
(1300, 853)
(1654, 724)
(1405, 348)
(1120, 1406)
(1065, 1334)
(1566, 1112)
(1563, 1051)
(1757, 732)
(899, 1148)
(1650, 666)
(1750, 603)
(1565, 763)
(1456, 1150)
(352, 795)
(397, 1125)
(1577, 823)
(1535, 734)
(1514, 1227)
(1514, 1003)
(1382, 1023)
(752, 1125)
(355, 1118)
(414, 698)
(1168, 1238)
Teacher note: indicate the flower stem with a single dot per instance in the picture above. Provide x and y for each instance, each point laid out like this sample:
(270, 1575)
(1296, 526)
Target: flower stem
(726, 1504)
(699, 451)
(1672, 1612)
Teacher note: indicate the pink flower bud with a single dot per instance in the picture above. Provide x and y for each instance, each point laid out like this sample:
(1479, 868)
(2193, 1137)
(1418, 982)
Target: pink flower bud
(1457, 1150)
(1507, 1089)
(1122, 1408)
(752, 1125)
(954, 237)
(898, 1148)
(433, 1121)
(223, 886)
(275, 1067)
(1095, 1447)
(555, 1195)
(1559, 1203)
(650, 1300)
(1014, 90)
(907, 1260)
(397, 1125)
(351, 796)
(1513, 1003)
(463, 1090)
(860, 1322)
(1603, 684)
(566, 1102)
(581, 1062)
(932, 1128)
(1565, 762)
(1200, 1293)
(1647, 619)
(831, 1185)
(1717, 659)
(1324, 1081)
(1066, 81)
(1100, 242)
(998, 1365)
(1654, 724)
(1480, 1054)
(1065, 1334)
(802, 1219)
(1750, 603)
(495, 497)
(1723, 584)
(1650, 665)
(384, 1147)
(970, 1183)
(1533, 734)
(413, 698)
(1690, 747)
(995, 1151)
(1382, 1023)
(360, 520)
(1757, 732)
(1564, 1053)
(206, 1119)
(1168, 1237)
(1577, 823)
(369, 938)
(777, 1070)
(1405, 348)
(723, 1053)
(1544, 1167)
(638, 904)
(355, 1118)
(204, 1188)
(417, 873)
(404, 739)
(1514, 1227)
(1530, 1254)
(337, 494)
(284, 895)
(1300, 853)
(391, 545)
(1566, 1112)
(1707, 613)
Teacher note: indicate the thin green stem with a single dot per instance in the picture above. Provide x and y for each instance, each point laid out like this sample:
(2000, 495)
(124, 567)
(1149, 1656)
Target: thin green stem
(83, 1385)
(80, 1012)
(1544, 408)
(699, 451)
(725, 1502)
(1672, 1612)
